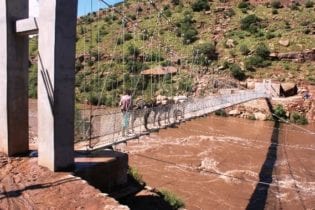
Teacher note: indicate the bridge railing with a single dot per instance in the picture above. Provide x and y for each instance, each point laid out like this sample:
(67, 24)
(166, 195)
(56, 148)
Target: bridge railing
(105, 129)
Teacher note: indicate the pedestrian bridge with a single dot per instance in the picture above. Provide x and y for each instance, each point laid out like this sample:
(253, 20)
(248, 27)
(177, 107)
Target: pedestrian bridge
(100, 130)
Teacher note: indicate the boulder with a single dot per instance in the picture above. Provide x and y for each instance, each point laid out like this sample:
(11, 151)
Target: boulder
(230, 43)
(260, 116)
(234, 112)
(284, 42)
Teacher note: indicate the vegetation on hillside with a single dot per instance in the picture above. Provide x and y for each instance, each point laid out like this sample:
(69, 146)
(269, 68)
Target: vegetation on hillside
(198, 38)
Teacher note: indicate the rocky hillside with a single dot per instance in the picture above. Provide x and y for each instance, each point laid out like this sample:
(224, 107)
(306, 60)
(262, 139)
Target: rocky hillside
(218, 39)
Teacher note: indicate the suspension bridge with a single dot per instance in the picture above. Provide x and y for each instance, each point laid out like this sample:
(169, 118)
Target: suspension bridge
(105, 130)
(96, 128)
(57, 80)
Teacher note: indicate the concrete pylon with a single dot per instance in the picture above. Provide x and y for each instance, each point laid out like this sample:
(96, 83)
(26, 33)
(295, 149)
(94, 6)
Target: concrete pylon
(56, 76)
(14, 79)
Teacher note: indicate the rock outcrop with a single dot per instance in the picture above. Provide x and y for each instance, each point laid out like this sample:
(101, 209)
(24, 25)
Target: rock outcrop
(306, 55)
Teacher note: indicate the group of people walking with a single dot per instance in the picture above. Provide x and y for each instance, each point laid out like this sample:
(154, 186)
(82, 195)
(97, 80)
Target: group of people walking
(130, 112)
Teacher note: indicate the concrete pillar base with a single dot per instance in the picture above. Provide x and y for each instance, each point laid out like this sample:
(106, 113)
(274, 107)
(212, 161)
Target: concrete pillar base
(104, 169)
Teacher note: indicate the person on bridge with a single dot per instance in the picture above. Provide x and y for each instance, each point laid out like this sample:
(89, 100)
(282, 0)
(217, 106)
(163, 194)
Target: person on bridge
(125, 107)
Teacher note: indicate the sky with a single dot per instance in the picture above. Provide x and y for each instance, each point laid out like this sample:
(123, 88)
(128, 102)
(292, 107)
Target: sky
(85, 6)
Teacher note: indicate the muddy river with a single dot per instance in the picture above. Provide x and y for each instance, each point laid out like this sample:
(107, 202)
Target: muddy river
(230, 163)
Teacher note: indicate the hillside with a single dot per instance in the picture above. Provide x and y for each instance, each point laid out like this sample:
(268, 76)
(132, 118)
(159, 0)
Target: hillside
(222, 40)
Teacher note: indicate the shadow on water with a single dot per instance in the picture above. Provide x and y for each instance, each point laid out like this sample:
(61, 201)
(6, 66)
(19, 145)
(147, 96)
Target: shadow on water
(259, 197)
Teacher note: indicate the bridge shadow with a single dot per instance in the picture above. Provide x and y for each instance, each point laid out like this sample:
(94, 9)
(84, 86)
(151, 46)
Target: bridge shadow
(18, 192)
(260, 195)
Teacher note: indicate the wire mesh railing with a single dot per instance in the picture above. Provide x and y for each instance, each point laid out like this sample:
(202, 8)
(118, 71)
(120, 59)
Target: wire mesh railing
(107, 129)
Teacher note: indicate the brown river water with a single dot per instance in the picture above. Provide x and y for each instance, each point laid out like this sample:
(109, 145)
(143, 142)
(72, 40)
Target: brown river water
(230, 163)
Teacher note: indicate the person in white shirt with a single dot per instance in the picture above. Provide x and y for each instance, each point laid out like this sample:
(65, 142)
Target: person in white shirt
(125, 107)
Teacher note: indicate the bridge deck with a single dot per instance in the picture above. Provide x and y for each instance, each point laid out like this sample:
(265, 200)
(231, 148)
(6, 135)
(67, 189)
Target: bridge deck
(105, 130)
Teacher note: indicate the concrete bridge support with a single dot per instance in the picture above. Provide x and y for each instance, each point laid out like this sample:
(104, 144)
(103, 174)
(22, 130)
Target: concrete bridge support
(14, 79)
(56, 76)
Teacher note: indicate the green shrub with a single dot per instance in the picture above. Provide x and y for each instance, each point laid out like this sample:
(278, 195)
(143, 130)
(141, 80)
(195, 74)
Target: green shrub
(186, 29)
(287, 25)
(270, 35)
(306, 31)
(167, 13)
(274, 11)
(110, 83)
(200, 5)
(294, 6)
(175, 2)
(276, 4)
(78, 66)
(251, 117)
(166, 63)
(128, 36)
(243, 5)
(256, 61)
(229, 12)
(139, 9)
(32, 82)
(120, 41)
(144, 35)
(136, 66)
(262, 51)
(237, 72)
(174, 201)
(311, 79)
(133, 51)
(279, 111)
(155, 56)
(190, 36)
(132, 16)
(205, 53)
(185, 83)
(298, 118)
(134, 173)
(251, 23)
(309, 4)
(94, 98)
(244, 50)
(221, 112)
(260, 59)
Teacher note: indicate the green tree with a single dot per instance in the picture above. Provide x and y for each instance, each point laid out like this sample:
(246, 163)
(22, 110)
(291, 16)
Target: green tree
(276, 4)
(280, 112)
(200, 5)
(237, 72)
(309, 4)
(251, 23)
(205, 53)
(262, 51)
(186, 29)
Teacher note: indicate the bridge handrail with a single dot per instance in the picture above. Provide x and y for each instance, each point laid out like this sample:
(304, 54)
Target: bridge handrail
(106, 128)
